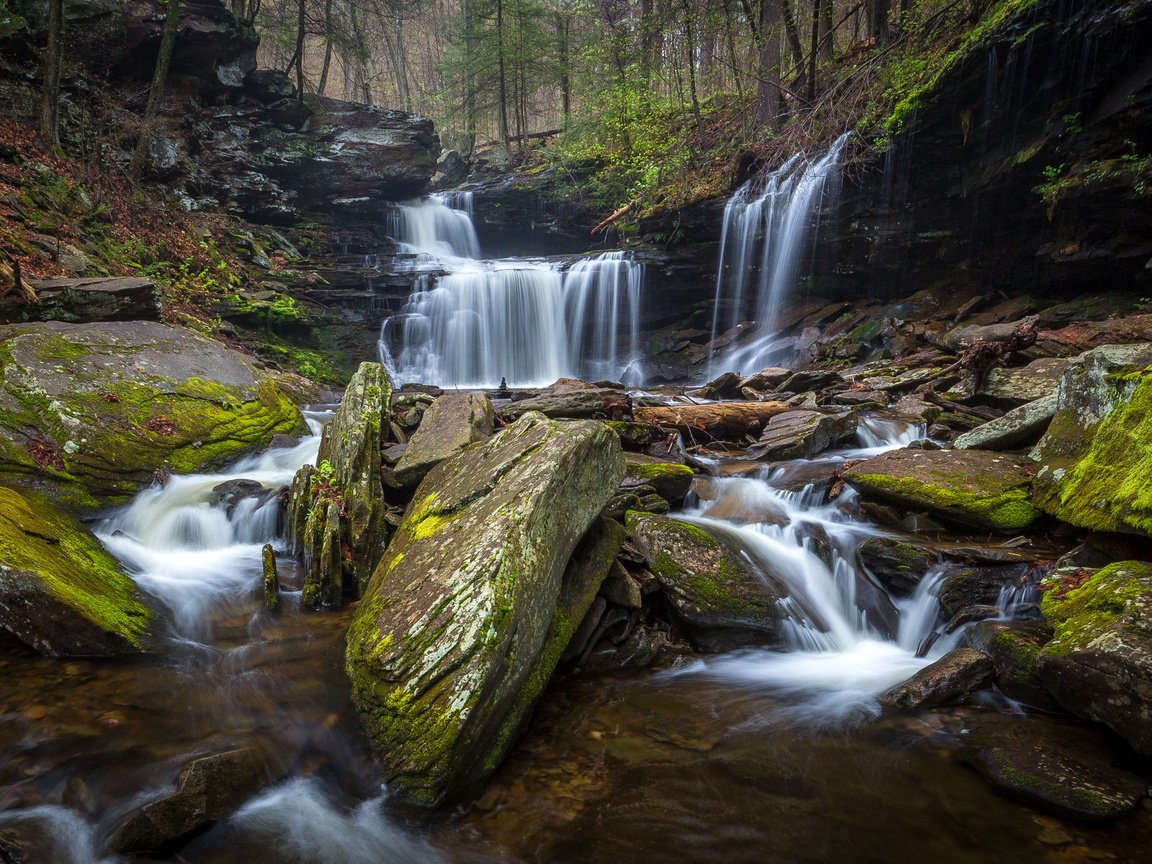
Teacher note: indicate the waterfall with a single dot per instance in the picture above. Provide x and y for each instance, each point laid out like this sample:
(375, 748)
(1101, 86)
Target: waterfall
(527, 322)
(190, 547)
(846, 640)
(764, 238)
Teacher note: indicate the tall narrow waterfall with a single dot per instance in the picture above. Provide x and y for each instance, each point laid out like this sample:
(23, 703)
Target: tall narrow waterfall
(526, 321)
(768, 226)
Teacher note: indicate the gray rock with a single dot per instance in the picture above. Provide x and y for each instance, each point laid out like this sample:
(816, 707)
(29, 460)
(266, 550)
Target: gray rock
(88, 300)
(208, 789)
(897, 565)
(451, 423)
(1024, 383)
(599, 402)
(951, 680)
(801, 434)
(1020, 427)
(460, 627)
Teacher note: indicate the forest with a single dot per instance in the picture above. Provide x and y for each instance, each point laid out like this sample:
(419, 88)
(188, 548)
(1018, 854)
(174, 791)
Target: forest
(548, 431)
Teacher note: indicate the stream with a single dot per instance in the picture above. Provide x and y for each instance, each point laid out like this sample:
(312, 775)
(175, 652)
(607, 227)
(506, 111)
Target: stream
(750, 756)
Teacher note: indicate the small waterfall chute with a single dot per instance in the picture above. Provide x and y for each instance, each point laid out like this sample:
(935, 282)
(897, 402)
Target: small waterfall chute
(764, 239)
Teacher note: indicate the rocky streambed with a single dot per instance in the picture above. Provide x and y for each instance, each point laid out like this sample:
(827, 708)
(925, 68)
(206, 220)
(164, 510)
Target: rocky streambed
(905, 601)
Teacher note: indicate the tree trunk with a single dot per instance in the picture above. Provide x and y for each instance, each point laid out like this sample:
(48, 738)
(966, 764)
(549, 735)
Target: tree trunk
(768, 67)
(791, 31)
(156, 91)
(301, 23)
(50, 94)
(323, 85)
(828, 45)
(503, 82)
(812, 52)
(562, 23)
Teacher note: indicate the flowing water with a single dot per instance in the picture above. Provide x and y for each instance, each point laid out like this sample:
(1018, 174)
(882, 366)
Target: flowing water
(471, 322)
(768, 227)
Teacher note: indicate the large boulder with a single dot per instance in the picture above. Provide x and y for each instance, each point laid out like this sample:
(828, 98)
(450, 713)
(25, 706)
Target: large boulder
(951, 680)
(802, 434)
(118, 298)
(1096, 456)
(451, 423)
(456, 635)
(716, 596)
(336, 513)
(94, 411)
(60, 591)
(1098, 664)
(973, 488)
(1020, 427)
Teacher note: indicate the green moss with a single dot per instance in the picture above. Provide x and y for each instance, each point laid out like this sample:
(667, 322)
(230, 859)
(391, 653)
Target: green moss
(990, 507)
(1081, 615)
(653, 470)
(71, 565)
(59, 348)
(1107, 486)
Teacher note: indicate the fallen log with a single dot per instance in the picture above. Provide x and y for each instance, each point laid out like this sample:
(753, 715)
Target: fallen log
(713, 421)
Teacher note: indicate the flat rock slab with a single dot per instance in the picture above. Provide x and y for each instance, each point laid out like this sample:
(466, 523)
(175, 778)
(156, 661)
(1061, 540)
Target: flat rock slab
(802, 434)
(94, 411)
(125, 298)
(1062, 768)
(457, 634)
(1037, 380)
(451, 423)
(1020, 427)
(974, 488)
(60, 591)
(602, 403)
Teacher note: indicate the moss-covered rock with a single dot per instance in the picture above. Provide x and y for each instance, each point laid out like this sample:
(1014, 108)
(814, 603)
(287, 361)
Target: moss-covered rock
(897, 565)
(1096, 457)
(94, 411)
(1098, 664)
(714, 593)
(59, 590)
(457, 633)
(336, 511)
(670, 480)
(974, 488)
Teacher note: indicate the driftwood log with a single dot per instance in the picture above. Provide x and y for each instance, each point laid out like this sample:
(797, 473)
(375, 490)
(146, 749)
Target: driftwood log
(713, 421)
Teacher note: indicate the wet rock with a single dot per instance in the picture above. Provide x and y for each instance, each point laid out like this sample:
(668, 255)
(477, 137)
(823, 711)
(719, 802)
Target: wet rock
(951, 680)
(1037, 380)
(766, 379)
(636, 436)
(1067, 770)
(1098, 664)
(965, 586)
(451, 423)
(720, 601)
(232, 492)
(268, 86)
(802, 434)
(336, 519)
(60, 591)
(806, 381)
(92, 412)
(591, 402)
(670, 480)
(960, 338)
(621, 588)
(747, 502)
(1015, 650)
(970, 487)
(725, 385)
(270, 578)
(1096, 456)
(208, 789)
(1018, 428)
(456, 636)
(897, 565)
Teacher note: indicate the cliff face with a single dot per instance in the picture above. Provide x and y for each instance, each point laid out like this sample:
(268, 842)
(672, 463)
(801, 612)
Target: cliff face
(235, 138)
(1027, 168)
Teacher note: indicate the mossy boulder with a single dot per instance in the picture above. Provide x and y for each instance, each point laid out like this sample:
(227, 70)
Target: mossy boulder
(1098, 664)
(451, 423)
(897, 565)
(973, 488)
(715, 595)
(1096, 457)
(336, 512)
(457, 633)
(92, 412)
(670, 480)
(60, 591)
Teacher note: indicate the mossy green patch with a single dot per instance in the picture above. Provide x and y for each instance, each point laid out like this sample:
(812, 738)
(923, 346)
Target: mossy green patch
(1083, 614)
(70, 565)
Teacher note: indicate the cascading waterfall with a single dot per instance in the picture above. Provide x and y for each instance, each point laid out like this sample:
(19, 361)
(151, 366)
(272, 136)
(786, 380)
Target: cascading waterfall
(847, 640)
(527, 322)
(764, 238)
